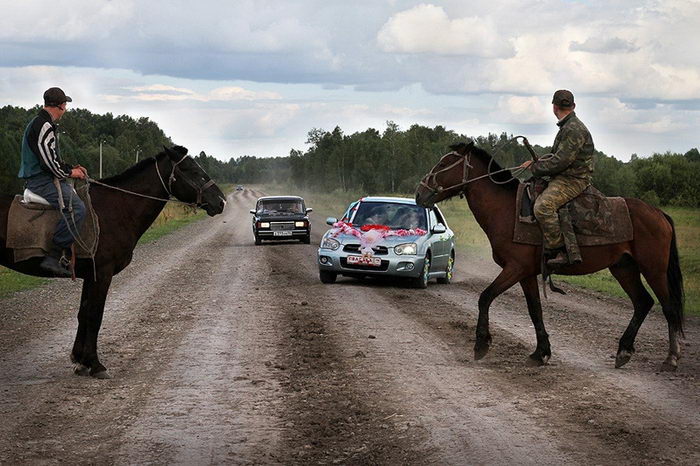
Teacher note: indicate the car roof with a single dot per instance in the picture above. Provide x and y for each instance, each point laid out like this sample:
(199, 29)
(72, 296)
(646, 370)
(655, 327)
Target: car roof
(281, 198)
(395, 200)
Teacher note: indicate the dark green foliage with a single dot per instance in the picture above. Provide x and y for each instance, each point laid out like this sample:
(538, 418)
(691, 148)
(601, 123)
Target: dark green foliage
(369, 161)
(80, 133)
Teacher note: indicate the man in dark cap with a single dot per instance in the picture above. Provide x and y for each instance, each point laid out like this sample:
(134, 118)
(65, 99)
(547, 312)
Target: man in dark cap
(570, 168)
(41, 164)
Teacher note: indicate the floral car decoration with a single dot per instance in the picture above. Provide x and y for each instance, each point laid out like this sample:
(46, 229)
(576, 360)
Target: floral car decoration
(371, 235)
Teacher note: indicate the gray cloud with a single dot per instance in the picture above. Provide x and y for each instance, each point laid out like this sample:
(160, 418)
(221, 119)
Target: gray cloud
(603, 45)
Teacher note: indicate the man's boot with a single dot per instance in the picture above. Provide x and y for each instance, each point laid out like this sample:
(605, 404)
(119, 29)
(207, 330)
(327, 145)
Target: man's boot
(52, 264)
(557, 258)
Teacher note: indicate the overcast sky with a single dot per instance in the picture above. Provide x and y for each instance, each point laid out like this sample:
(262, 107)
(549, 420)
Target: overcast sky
(253, 77)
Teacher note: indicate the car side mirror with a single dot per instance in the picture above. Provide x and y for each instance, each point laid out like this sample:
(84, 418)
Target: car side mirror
(252, 211)
(331, 220)
(309, 210)
(439, 228)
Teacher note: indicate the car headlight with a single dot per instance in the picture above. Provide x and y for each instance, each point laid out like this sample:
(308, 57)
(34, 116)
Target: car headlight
(300, 224)
(264, 224)
(406, 248)
(330, 243)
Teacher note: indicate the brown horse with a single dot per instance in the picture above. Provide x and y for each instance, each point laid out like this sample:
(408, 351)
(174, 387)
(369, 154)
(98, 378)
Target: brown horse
(126, 208)
(652, 253)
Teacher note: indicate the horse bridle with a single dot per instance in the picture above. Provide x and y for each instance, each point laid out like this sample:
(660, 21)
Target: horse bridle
(199, 189)
(432, 176)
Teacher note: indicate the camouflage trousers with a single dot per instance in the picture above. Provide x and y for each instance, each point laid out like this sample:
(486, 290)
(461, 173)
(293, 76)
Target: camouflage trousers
(561, 189)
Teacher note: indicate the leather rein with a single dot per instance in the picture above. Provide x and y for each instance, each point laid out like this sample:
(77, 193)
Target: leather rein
(168, 188)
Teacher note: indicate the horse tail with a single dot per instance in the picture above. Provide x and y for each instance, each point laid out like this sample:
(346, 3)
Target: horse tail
(675, 282)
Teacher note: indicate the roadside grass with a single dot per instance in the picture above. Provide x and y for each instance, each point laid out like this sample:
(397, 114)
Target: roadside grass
(173, 217)
(472, 240)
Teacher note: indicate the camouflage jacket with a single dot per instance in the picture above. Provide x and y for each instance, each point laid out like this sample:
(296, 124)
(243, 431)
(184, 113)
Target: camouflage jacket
(572, 152)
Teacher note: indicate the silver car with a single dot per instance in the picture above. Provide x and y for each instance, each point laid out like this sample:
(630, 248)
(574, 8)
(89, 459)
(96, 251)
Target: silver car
(396, 247)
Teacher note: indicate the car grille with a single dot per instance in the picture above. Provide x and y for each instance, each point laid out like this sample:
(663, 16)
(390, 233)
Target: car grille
(382, 268)
(355, 249)
(278, 226)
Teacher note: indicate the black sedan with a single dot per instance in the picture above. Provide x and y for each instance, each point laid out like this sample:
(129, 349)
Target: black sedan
(281, 217)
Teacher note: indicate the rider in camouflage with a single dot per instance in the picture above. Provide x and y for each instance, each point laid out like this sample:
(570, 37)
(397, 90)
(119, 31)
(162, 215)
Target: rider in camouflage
(570, 168)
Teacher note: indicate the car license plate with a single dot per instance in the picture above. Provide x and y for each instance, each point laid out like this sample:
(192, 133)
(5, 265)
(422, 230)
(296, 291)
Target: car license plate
(364, 260)
(281, 233)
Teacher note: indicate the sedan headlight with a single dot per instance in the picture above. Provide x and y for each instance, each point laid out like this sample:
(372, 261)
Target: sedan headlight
(300, 224)
(330, 243)
(406, 248)
(264, 224)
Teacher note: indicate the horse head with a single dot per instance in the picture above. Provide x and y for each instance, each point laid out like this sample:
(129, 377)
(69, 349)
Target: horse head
(188, 182)
(447, 178)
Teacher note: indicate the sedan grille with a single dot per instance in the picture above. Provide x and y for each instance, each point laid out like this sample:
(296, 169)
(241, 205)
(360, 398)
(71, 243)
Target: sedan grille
(276, 226)
(355, 249)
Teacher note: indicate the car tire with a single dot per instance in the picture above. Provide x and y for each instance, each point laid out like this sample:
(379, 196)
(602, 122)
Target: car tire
(258, 241)
(327, 277)
(421, 281)
(306, 239)
(449, 270)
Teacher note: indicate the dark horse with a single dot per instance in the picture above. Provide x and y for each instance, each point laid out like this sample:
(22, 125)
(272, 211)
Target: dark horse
(652, 253)
(123, 218)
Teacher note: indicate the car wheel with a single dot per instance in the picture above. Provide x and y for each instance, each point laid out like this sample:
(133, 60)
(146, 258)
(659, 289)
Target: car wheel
(327, 277)
(449, 270)
(258, 241)
(306, 239)
(421, 281)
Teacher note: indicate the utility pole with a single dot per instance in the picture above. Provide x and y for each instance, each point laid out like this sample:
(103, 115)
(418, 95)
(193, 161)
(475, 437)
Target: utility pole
(101, 158)
(138, 148)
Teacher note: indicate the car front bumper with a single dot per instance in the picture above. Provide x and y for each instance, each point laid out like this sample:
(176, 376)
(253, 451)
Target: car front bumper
(296, 233)
(392, 264)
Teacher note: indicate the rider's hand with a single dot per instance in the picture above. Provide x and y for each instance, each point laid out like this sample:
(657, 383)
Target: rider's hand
(79, 173)
(526, 164)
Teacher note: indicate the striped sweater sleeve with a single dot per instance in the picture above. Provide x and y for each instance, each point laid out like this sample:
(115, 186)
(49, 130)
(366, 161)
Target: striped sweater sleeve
(47, 153)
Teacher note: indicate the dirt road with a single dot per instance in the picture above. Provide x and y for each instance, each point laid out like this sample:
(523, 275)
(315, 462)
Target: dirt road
(226, 352)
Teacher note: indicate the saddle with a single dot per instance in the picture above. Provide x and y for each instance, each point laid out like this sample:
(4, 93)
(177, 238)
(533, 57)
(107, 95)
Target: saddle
(31, 224)
(591, 219)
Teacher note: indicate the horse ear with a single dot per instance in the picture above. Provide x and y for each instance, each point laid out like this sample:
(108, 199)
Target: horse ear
(462, 147)
(180, 150)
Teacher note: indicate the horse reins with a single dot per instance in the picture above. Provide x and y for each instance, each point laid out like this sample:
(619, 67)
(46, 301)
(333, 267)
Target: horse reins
(168, 188)
(465, 160)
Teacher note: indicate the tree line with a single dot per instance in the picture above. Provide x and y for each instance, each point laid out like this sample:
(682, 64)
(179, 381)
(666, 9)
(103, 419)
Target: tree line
(370, 161)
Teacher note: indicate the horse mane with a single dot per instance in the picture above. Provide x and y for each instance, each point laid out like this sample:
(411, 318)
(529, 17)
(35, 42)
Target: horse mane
(505, 177)
(131, 171)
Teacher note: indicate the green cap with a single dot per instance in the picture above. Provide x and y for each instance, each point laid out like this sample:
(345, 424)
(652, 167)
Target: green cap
(563, 98)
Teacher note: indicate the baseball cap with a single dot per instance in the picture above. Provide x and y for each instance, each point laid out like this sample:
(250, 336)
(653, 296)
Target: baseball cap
(563, 98)
(55, 96)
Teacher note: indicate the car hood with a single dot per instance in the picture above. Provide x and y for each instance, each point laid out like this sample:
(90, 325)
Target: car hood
(281, 218)
(389, 241)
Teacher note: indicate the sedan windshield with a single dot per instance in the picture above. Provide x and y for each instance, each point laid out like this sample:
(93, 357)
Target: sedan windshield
(395, 216)
(281, 207)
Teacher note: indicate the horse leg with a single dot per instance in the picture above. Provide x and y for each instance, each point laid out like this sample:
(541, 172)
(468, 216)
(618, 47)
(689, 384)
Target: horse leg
(77, 353)
(626, 272)
(658, 282)
(534, 306)
(508, 277)
(89, 322)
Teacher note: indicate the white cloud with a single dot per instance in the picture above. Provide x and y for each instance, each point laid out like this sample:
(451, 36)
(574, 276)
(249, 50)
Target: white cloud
(427, 29)
(523, 110)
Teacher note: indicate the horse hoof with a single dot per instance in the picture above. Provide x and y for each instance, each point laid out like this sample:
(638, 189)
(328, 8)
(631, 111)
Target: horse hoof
(622, 358)
(81, 369)
(480, 352)
(102, 375)
(536, 361)
(669, 365)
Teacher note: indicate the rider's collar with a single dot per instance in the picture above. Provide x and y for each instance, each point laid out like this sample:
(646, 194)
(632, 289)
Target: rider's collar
(563, 121)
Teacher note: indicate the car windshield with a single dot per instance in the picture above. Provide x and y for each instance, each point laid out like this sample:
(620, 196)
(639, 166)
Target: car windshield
(281, 207)
(395, 216)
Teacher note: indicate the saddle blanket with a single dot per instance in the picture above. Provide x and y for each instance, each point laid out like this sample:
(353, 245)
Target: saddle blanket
(597, 220)
(30, 229)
